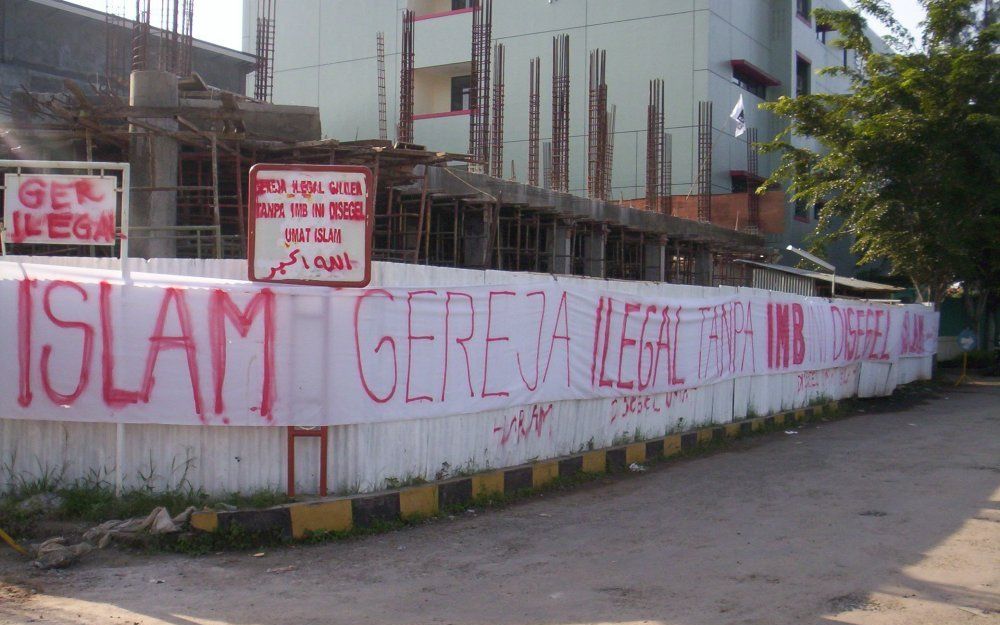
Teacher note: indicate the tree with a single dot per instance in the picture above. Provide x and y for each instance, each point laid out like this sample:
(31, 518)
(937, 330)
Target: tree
(909, 164)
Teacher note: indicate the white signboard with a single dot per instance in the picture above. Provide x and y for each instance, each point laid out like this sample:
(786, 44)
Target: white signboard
(59, 208)
(311, 224)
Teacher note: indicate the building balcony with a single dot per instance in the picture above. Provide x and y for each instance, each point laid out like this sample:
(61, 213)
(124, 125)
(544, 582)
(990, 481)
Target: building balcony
(443, 132)
(441, 90)
(431, 9)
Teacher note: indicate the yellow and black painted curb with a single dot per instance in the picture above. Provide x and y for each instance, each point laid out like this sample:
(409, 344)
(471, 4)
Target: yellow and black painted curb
(345, 514)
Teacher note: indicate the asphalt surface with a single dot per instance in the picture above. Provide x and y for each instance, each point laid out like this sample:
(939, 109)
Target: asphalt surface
(889, 516)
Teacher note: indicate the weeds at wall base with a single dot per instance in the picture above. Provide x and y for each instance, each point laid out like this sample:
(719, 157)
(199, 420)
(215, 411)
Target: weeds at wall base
(237, 538)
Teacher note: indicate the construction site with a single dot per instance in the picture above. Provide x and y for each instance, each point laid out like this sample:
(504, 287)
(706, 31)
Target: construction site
(191, 144)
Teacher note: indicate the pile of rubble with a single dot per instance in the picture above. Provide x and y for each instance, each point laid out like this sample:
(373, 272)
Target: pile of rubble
(58, 553)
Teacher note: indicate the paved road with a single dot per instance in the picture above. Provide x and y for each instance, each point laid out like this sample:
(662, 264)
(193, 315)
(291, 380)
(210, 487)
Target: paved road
(881, 518)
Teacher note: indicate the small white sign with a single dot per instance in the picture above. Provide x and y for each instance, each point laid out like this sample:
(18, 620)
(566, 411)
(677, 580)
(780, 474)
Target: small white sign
(59, 208)
(311, 224)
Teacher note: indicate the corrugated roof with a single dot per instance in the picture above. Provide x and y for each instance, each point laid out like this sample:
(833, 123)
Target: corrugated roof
(851, 283)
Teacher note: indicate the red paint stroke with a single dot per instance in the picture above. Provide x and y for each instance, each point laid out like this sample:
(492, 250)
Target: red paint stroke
(185, 341)
(461, 341)
(378, 347)
(538, 346)
(492, 339)
(24, 342)
(222, 308)
(522, 425)
(88, 346)
(410, 339)
(293, 257)
(113, 396)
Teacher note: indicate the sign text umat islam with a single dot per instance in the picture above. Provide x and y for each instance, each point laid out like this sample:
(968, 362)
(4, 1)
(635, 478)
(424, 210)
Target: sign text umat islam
(311, 224)
(85, 346)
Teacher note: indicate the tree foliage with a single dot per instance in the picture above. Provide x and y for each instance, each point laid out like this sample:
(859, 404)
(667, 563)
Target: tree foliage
(909, 158)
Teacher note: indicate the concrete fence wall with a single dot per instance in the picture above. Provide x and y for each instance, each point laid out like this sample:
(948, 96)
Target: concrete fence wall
(364, 457)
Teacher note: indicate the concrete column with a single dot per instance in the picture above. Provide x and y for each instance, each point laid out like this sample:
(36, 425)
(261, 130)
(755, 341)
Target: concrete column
(655, 257)
(595, 246)
(703, 266)
(154, 164)
(562, 249)
(475, 234)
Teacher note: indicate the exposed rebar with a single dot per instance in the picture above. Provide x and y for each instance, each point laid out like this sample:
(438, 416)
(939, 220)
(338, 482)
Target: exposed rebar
(496, 134)
(140, 36)
(597, 127)
(116, 47)
(404, 130)
(705, 161)
(383, 124)
(264, 70)
(560, 113)
(479, 88)
(657, 150)
(609, 155)
(534, 97)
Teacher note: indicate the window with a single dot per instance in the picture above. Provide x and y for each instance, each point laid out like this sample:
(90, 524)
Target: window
(457, 5)
(744, 181)
(803, 74)
(752, 78)
(803, 8)
(750, 83)
(817, 209)
(460, 87)
(801, 210)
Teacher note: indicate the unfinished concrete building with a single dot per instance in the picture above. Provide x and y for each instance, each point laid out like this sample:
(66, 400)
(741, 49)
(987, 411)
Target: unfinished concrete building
(45, 42)
(191, 147)
(191, 141)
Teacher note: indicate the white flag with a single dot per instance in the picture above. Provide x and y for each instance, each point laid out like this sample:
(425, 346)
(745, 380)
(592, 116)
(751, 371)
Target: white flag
(739, 116)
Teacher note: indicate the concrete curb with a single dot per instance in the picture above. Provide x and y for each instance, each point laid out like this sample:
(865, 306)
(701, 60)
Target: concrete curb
(344, 514)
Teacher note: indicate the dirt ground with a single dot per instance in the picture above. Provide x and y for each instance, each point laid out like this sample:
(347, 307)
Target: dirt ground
(883, 518)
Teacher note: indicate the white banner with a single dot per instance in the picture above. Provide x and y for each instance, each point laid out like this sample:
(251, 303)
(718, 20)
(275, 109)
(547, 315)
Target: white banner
(168, 349)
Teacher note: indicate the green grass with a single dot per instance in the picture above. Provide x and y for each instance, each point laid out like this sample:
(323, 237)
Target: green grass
(820, 400)
(393, 483)
(92, 504)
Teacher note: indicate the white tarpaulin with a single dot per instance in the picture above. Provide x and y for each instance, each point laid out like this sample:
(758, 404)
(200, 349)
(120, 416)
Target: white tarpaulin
(180, 350)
